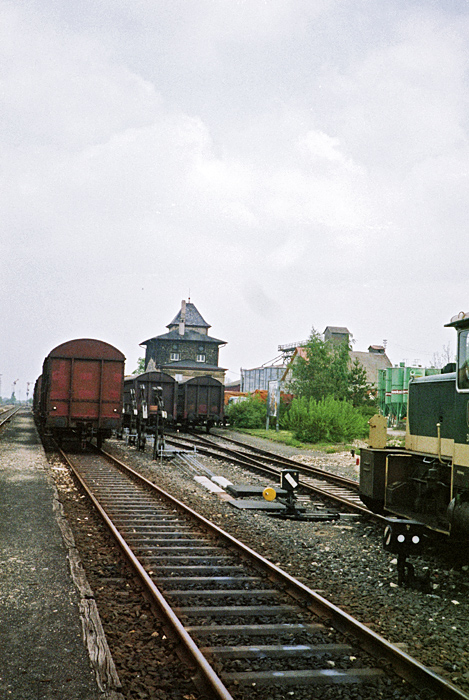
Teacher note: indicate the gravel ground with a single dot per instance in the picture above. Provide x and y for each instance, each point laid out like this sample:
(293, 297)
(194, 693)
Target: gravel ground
(342, 560)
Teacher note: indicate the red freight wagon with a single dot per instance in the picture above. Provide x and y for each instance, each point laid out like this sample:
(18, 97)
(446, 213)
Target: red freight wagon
(201, 401)
(37, 397)
(81, 390)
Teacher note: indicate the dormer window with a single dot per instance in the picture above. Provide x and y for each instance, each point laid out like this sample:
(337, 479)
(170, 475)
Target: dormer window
(200, 358)
(175, 356)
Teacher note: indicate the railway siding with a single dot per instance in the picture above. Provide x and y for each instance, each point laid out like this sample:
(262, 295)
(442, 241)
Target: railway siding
(119, 500)
(346, 563)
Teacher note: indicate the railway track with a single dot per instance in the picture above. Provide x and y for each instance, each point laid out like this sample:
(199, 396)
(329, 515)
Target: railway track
(315, 481)
(7, 414)
(243, 623)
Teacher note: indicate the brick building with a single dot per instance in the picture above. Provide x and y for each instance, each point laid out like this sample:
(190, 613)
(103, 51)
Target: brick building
(187, 350)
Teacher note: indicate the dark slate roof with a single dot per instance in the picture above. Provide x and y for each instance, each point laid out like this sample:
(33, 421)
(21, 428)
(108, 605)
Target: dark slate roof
(188, 335)
(193, 318)
(192, 364)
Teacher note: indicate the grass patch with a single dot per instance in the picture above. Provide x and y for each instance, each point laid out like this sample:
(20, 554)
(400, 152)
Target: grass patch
(285, 437)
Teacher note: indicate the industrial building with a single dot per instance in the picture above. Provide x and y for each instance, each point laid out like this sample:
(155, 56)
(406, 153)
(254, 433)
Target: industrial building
(279, 369)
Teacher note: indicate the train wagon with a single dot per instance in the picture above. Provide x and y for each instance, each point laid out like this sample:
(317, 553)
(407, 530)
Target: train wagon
(200, 402)
(37, 398)
(150, 403)
(81, 390)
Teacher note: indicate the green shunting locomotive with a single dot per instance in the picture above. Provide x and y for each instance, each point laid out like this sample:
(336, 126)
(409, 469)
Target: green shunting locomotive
(428, 481)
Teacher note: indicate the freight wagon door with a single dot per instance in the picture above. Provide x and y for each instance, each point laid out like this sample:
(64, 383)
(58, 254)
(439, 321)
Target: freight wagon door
(111, 389)
(203, 400)
(59, 392)
(215, 400)
(191, 394)
(86, 390)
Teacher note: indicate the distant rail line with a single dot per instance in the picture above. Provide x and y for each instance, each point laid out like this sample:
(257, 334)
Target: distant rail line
(241, 620)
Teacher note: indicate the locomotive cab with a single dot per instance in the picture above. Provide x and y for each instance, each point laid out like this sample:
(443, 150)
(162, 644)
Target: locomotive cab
(428, 481)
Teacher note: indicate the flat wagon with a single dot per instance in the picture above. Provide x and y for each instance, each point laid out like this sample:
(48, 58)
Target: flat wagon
(81, 390)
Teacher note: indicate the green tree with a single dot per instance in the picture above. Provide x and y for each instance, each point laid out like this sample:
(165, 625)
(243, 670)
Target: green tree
(326, 420)
(324, 372)
(360, 391)
(249, 413)
(140, 366)
(328, 372)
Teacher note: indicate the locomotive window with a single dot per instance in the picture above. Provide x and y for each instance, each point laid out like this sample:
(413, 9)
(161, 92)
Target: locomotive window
(463, 360)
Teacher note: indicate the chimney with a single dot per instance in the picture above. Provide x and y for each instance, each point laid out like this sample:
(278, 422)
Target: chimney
(182, 322)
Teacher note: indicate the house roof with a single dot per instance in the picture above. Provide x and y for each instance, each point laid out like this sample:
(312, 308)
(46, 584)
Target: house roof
(194, 336)
(192, 319)
(372, 362)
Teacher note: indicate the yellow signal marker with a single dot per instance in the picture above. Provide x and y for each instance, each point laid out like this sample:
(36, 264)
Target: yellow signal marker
(269, 493)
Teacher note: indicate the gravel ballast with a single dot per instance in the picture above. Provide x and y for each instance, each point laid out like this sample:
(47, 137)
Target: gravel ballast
(342, 560)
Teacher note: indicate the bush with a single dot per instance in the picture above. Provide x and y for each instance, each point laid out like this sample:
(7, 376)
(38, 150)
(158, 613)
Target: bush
(250, 413)
(327, 420)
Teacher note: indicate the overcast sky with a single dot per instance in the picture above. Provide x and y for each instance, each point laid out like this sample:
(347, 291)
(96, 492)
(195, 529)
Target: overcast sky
(288, 164)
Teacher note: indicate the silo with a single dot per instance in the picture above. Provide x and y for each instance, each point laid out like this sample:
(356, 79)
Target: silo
(397, 390)
(382, 390)
(388, 384)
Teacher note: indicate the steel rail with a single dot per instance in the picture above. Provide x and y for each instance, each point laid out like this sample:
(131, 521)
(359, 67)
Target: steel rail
(283, 460)
(208, 675)
(278, 460)
(10, 413)
(248, 462)
(404, 665)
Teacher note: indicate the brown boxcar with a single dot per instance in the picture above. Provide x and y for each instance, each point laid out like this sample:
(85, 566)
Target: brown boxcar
(150, 402)
(81, 390)
(200, 402)
(37, 397)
